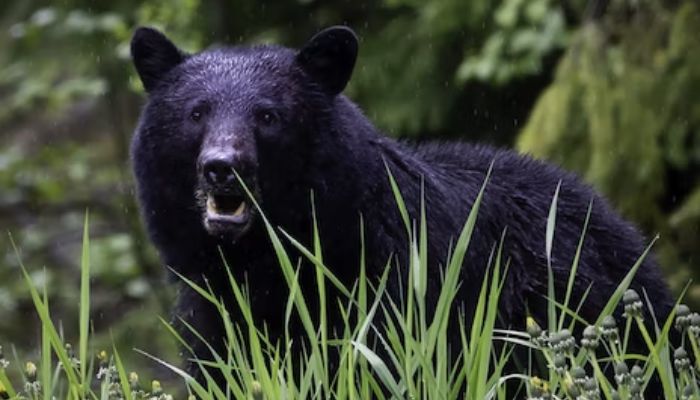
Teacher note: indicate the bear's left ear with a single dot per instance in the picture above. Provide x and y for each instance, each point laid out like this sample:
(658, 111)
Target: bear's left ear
(329, 57)
(153, 55)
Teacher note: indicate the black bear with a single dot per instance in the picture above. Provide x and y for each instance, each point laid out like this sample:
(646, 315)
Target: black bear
(276, 117)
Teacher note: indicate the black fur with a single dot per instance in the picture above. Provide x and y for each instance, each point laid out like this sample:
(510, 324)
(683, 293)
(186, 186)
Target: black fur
(321, 141)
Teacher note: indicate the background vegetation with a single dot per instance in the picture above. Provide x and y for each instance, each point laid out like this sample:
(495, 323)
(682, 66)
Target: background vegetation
(608, 88)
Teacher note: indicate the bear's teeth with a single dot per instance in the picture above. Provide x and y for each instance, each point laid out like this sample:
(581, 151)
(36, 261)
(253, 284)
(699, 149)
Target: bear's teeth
(240, 210)
(224, 209)
(211, 204)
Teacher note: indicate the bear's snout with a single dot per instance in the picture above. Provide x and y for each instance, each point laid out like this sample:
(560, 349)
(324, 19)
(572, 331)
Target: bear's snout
(225, 205)
(218, 172)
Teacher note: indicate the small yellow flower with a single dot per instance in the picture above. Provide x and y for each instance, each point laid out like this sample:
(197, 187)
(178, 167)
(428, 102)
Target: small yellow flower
(156, 389)
(3, 392)
(30, 370)
(538, 386)
(134, 381)
(570, 386)
(256, 390)
(532, 327)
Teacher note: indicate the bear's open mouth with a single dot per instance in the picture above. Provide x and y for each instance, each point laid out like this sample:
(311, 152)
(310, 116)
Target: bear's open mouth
(226, 212)
(226, 206)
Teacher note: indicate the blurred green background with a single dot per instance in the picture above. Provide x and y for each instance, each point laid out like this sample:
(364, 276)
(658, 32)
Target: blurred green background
(607, 88)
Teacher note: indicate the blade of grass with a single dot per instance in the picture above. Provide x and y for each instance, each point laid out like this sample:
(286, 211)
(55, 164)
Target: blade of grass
(287, 271)
(318, 263)
(181, 341)
(75, 385)
(454, 267)
(379, 368)
(482, 342)
(255, 350)
(401, 204)
(549, 239)
(624, 284)
(84, 300)
(574, 265)
(321, 285)
(199, 390)
(46, 373)
(6, 385)
(123, 377)
(218, 363)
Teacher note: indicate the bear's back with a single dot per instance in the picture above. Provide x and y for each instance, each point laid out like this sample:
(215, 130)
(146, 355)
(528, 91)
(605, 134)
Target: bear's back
(518, 197)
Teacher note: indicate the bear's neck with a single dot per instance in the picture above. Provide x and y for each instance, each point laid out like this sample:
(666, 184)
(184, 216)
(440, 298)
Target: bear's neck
(349, 173)
(359, 156)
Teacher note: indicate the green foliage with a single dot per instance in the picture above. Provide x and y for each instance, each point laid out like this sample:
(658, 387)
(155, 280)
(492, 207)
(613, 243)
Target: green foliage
(623, 111)
(67, 114)
(526, 33)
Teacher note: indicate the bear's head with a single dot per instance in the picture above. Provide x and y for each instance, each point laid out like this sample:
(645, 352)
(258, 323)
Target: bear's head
(226, 115)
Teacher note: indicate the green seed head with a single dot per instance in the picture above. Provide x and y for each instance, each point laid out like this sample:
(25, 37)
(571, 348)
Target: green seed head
(688, 391)
(637, 371)
(637, 374)
(609, 322)
(590, 338)
(560, 363)
(682, 311)
(622, 373)
(579, 375)
(630, 297)
(562, 341)
(568, 342)
(591, 388)
(633, 304)
(694, 324)
(635, 388)
(571, 387)
(682, 317)
(609, 329)
(681, 360)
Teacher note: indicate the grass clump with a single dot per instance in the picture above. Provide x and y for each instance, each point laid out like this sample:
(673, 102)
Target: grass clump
(389, 348)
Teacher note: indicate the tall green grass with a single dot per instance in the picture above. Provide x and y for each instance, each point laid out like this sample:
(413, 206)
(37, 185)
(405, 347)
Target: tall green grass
(387, 347)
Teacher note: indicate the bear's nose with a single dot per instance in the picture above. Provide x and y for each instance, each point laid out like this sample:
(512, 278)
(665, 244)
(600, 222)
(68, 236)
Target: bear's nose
(218, 172)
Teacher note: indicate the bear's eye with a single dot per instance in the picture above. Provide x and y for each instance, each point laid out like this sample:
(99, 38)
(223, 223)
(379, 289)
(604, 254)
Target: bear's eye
(266, 117)
(197, 113)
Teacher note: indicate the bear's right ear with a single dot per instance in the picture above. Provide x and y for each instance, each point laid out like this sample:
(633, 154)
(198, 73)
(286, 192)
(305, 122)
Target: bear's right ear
(329, 57)
(153, 55)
